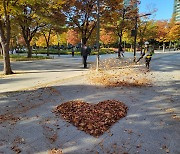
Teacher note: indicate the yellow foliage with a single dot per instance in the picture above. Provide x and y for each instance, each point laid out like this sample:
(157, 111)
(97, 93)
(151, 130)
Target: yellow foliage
(174, 33)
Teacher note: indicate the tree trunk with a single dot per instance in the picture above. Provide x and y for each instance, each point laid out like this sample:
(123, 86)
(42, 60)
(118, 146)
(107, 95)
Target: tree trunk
(121, 33)
(124, 46)
(29, 50)
(48, 50)
(7, 65)
(1, 51)
(174, 47)
(131, 47)
(163, 47)
(5, 34)
(119, 45)
(84, 40)
(58, 49)
(47, 39)
(141, 44)
(169, 45)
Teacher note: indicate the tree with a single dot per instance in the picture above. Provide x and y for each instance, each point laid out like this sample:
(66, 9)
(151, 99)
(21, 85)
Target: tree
(174, 33)
(47, 33)
(81, 15)
(146, 31)
(33, 15)
(6, 13)
(51, 16)
(29, 19)
(16, 36)
(120, 18)
(1, 51)
(162, 31)
(127, 38)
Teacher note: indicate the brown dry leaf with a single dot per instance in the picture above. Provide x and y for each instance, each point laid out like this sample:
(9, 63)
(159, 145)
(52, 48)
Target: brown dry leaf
(93, 119)
(53, 138)
(16, 149)
(119, 74)
(174, 116)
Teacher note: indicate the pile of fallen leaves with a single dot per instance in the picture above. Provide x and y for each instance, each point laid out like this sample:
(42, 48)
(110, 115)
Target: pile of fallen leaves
(93, 119)
(115, 72)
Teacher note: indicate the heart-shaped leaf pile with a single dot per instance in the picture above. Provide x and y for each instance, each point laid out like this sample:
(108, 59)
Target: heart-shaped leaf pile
(93, 119)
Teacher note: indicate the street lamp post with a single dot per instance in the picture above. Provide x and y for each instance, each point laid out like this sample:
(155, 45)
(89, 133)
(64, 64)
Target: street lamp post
(98, 35)
(135, 37)
(135, 32)
(121, 31)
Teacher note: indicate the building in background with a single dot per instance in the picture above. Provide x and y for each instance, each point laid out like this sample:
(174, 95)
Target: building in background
(176, 11)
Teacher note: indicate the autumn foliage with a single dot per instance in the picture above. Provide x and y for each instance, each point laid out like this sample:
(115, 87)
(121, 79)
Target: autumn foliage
(72, 37)
(162, 30)
(107, 37)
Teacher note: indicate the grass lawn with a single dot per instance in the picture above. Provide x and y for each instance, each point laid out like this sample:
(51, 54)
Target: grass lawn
(69, 52)
(17, 57)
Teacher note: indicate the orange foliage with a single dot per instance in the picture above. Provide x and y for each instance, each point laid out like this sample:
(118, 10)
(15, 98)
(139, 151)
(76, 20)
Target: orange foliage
(162, 30)
(72, 37)
(107, 37)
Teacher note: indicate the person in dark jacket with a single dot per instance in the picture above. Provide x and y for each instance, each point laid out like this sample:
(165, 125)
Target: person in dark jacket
(72, 51)
(120, 51)
(84, 54)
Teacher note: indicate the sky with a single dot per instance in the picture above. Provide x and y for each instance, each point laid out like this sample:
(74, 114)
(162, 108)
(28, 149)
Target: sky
(164, 8)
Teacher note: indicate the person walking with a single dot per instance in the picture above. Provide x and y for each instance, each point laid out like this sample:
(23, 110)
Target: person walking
(84, 54)
(120, 51)
(148, 52)
(72, 51)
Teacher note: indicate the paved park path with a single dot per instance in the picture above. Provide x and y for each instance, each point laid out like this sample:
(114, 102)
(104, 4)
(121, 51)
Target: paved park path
(28, 125)
(35, 74)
